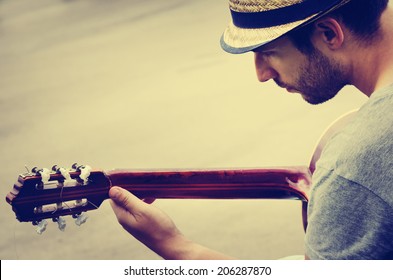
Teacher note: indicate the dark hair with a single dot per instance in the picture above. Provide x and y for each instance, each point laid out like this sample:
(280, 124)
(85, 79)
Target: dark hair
(361, 17)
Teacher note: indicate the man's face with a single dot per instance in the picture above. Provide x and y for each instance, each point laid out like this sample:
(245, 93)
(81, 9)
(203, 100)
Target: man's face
(316, 77)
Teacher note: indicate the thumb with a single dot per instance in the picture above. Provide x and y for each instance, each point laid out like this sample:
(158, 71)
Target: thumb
(124, 198)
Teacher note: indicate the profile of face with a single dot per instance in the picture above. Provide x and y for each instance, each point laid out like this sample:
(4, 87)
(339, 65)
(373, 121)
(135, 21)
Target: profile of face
(315, 76)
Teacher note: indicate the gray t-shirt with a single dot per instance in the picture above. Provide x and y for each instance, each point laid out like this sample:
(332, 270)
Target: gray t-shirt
(350, 212)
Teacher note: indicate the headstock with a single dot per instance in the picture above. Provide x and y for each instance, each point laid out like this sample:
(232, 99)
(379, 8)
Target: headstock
(51, 194)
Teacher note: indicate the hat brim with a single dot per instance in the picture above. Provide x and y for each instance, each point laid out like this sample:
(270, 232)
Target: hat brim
(237, 40)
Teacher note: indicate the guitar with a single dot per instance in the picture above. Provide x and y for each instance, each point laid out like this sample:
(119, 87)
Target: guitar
(51, 194)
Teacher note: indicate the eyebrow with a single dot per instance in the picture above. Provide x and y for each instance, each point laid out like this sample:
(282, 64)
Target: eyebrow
(270, 46)
(261, 49)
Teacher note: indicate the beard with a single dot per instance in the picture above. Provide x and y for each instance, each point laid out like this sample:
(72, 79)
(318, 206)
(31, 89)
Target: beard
(320, 78)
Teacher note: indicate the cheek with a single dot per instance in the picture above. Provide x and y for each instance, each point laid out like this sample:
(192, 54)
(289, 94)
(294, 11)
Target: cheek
(290, 73)
(297, 70)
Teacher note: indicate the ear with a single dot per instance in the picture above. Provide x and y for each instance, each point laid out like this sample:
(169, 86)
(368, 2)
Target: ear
(330, 32)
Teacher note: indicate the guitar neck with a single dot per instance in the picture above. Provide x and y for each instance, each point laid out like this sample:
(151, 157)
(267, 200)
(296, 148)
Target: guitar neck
(216, 184)
(33, 200)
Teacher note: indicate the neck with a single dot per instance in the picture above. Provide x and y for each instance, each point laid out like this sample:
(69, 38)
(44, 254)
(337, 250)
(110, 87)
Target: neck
(373, 65)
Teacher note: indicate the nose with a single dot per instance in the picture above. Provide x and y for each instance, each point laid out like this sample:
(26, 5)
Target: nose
(264, 70)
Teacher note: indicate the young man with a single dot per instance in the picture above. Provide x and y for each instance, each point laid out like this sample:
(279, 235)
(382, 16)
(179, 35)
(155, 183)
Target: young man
(313, 48)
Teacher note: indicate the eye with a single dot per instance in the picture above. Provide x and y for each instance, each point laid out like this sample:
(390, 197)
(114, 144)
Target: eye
(268, 53)
(265, 53)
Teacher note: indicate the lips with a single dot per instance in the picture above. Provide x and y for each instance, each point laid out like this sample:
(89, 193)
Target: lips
(287, 87)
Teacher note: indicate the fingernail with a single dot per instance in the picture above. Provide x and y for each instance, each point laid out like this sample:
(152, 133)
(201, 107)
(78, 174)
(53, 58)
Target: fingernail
(114, 192)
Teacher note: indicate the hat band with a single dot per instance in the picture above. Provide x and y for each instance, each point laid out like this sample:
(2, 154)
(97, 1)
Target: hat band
(280, 16)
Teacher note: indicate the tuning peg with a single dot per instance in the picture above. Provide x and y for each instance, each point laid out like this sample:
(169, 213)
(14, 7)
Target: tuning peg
(84, 170)
(61, 223)
(35, 170)
(40, 226)
(55, 168)
(62, 171)
(43, 172)
(77, 166)
(85, 173)
(80, 218)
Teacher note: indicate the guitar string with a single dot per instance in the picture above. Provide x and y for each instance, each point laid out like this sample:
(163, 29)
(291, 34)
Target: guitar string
(62, 202)
(92, 204)
(65, 203)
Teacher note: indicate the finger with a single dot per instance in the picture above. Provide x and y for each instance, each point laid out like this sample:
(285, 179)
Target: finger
(290, 183)
(116, 208)
(125, 199)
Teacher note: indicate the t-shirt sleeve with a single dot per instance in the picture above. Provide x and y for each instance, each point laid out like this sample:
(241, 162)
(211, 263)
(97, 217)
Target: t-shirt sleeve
(347, 221)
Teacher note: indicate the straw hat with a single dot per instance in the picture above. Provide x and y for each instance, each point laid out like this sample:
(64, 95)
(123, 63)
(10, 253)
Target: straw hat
(257, 22)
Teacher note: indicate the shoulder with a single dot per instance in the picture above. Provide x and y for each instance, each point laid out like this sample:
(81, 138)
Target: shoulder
(347, 221)
(351, 203)
(362, 151)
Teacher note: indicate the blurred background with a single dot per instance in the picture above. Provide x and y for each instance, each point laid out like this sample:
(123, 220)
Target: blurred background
(144, 84)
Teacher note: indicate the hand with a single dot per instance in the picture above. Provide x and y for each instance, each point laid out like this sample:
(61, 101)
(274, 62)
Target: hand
(145, 222)
(155, 229)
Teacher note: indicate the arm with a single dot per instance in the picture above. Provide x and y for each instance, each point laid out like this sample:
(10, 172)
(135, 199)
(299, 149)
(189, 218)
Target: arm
(155, 229)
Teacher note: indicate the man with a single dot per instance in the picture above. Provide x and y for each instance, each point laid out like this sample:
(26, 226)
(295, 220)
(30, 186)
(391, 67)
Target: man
(314, 48)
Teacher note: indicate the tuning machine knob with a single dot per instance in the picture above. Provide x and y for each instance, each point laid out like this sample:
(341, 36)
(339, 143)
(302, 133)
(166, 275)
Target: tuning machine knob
(43, 172)
(80, 218)
(61, 223)
(40, 226)
(84, 172)
(61, 170)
